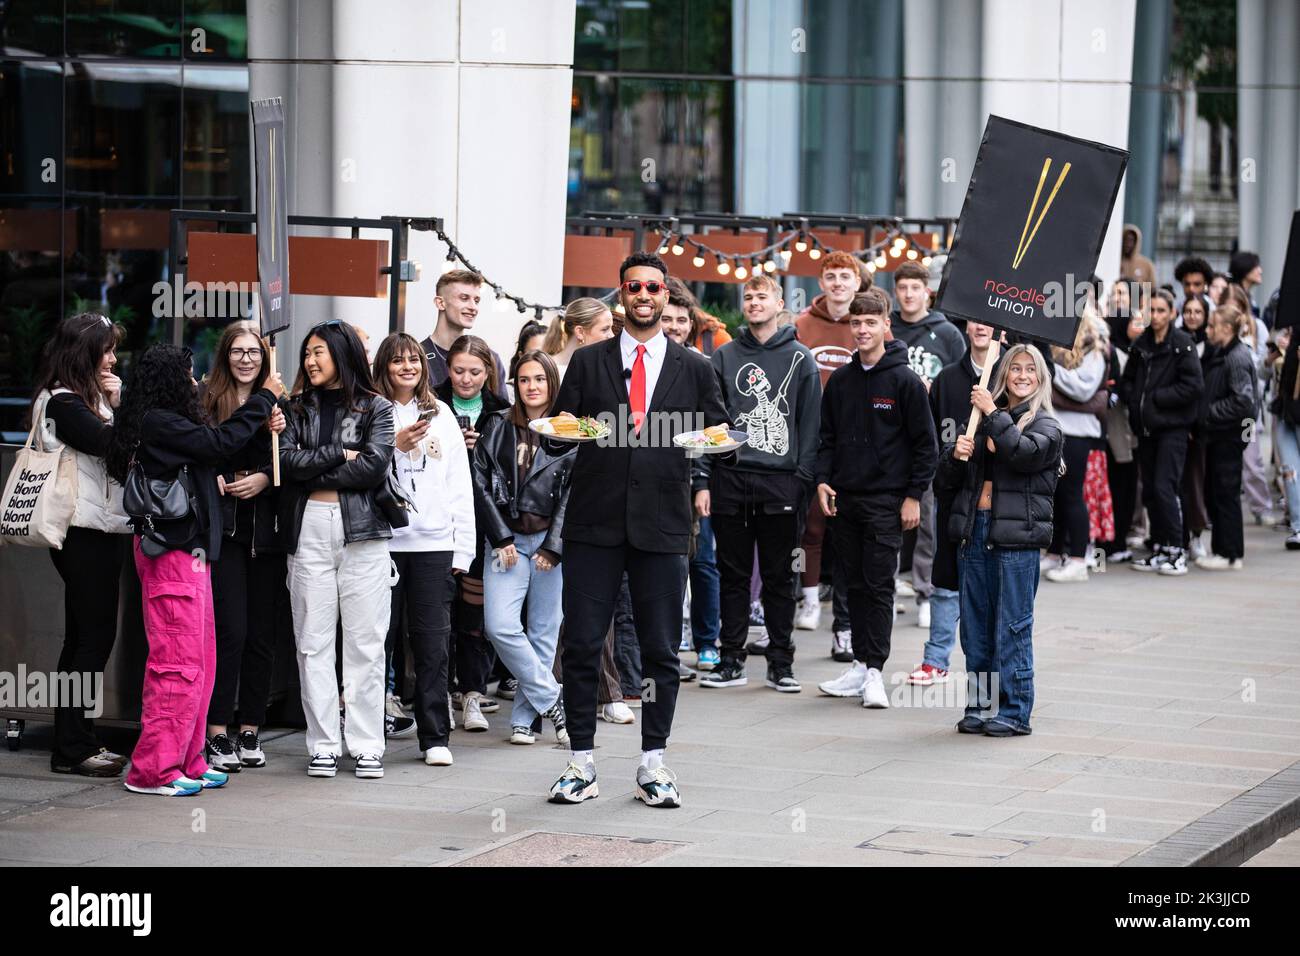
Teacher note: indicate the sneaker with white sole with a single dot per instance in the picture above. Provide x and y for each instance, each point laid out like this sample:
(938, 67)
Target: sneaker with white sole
(903, 589)
(927, 674)
(393, 706)
(782, 680)
(521, 735)
(219, 752)
(1175, 563)
(1196, 546)
(1217, 562)
(395, 727)
(214, 779)
(473, 719)
(758, 646)
(1072, 572)
(842, 646)
(438, 757)
(1293, 541)
(923, 615)
(507, 689)
(180, 787)
(369, 767)
(657, 788)
(728, 673)
(322, 765)
(707, 659)
(617, 712)
(249, 749)
(1152, 562)
(873, 691)
(556, 716)
(808, 615)
(848, 684)
(1049, 561)
(1119, 557)
(488, 705)
(687, 643)
(575, 785)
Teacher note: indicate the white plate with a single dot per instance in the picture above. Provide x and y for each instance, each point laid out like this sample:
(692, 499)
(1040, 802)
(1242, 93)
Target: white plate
(683, 441)
(543, 427)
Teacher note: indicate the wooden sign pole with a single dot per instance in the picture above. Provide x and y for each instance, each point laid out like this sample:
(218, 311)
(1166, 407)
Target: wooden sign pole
(985, 374)
(275, 439)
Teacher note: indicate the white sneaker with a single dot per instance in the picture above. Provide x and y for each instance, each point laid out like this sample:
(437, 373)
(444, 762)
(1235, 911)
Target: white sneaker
(848, 684)
(438, 757)
(1069, 573)
(617, 713)
(1196, 546)
(473, 719)
(393, 707)
(903, 589)
(842, 647)
(1049, 561)
(808, 615)
(1217, 562)
(923, 615)
(873, 691)
(451, 712)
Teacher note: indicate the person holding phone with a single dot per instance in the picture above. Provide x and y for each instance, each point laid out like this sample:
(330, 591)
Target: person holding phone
(875, 459)
(438, 543)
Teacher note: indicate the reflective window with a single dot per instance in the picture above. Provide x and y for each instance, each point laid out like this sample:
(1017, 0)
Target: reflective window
(135, 28)
(32, 27)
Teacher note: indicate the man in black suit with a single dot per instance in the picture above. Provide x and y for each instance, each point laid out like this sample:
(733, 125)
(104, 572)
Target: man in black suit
(630, 510)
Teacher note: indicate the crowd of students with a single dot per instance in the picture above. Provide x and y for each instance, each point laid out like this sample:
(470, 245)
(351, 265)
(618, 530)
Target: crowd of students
(425, 543)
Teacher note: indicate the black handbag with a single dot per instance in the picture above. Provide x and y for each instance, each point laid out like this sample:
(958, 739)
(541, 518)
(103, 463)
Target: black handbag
(394, 502)
(164, 510)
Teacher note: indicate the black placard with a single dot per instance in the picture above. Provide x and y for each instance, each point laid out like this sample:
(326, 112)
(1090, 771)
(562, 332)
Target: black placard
(272, 215)
(1031, 230)
(1288, 299)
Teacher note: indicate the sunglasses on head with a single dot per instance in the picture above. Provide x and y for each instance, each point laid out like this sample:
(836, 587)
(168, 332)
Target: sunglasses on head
(634, 286)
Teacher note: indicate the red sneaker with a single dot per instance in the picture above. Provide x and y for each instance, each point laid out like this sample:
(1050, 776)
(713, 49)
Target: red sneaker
(927, 674)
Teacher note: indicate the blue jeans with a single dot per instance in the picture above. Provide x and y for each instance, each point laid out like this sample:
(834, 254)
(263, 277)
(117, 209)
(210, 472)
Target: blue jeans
(1287, 437)
(529, 656)
(705, 609)
(945, 612)
(998, 586)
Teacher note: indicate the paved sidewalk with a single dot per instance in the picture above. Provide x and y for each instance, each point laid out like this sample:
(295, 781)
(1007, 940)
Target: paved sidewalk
(1158, 701)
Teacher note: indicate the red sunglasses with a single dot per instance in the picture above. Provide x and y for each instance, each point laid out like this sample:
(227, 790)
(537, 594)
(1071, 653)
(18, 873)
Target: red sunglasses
(654, 287)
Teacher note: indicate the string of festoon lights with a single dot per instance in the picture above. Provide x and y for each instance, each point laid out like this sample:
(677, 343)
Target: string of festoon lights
(770, 259)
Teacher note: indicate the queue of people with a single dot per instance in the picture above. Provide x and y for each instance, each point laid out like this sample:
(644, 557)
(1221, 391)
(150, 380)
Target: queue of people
(426, 542)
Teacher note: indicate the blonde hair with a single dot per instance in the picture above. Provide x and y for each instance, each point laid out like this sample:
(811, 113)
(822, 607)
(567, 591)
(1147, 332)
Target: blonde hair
(1234, 296)
(1041, 400)
(1243, 323)
(585, 312)
(1089, 338)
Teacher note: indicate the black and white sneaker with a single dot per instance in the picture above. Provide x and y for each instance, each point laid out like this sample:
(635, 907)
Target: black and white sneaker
(556, 716)
(729, 673)
(507, 689)
(220, 754)
(758, 646)
(398, 726)
(249, 749)
(1152, 562)
(657, 788)
(369, 767)
(488, 705)
(575, 785)
(323, 765)
(782, 679)
(1175, 562)
(519, 734)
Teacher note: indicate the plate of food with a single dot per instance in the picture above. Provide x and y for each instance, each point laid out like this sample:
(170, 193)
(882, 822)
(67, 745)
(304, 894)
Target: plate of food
(714, 440)
(568, 428)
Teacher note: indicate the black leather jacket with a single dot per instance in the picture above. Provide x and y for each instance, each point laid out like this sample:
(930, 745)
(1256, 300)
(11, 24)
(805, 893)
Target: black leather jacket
(1024, 472)
(545, 489)
(311, 462)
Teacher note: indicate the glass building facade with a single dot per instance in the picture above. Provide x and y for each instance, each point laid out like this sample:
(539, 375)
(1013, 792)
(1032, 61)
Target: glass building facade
(112, 113)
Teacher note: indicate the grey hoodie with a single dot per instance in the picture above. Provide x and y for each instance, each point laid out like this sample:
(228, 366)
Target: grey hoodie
(772, 391)
(933, 344)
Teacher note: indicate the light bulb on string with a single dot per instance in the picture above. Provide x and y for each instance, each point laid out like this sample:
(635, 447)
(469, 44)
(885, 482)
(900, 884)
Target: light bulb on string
(871, 267)
(741, 272)
(800, 245)
(900, 242)
(815, 253)
(678, 249)
(881, 261)
(925, 261)
(449, 263)
(503, 301)
(698, 261)
(911, 253)
(769, 265)
(895, 251)
(787, 255)
(723, 266)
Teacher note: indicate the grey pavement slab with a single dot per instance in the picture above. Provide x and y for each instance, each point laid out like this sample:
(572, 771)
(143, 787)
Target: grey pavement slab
(1159, 704)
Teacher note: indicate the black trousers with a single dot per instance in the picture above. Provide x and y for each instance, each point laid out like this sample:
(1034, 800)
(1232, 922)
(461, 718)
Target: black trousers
(868, 537)
(1223, 496)
(1070, 514)
(592, 577)
(1161, 457)
(90, 564)
(777, 536)
(1123, 478)
(472, 658)
(250, 599)
(424, 590)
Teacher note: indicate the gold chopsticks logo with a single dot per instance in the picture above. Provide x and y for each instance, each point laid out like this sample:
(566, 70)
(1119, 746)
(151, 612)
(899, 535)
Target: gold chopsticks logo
(1023, 247)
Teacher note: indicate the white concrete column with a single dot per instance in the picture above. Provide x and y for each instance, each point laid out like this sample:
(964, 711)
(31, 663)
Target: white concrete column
(768, 112)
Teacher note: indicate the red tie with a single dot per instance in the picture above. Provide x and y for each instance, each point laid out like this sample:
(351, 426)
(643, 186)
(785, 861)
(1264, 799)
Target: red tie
(637, 394)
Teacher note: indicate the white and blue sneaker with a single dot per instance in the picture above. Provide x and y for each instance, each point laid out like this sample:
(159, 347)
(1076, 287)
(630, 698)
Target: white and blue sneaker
(709, 658)
(575, 785)
(180, 787)
(657, 788)
(214, 779)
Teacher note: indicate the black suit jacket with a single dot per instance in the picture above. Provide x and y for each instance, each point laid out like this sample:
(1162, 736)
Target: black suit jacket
(636, 489)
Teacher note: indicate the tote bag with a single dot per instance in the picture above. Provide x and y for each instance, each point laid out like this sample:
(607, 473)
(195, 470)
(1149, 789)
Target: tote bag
(39, 495)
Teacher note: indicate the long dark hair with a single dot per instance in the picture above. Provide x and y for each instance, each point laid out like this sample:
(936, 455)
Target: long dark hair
(72, 356)
(475, 346)
(221, 395)
(162, 379)
(394, 346)
(349, 357)
(519, 414)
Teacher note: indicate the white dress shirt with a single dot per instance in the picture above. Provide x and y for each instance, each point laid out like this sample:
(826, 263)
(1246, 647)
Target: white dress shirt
(655, 350)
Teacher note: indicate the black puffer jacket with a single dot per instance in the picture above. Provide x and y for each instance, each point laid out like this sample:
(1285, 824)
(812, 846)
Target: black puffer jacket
(1024, 470)
(545, 490)
(1161, 382)
(311, 462)
(1228, 399)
